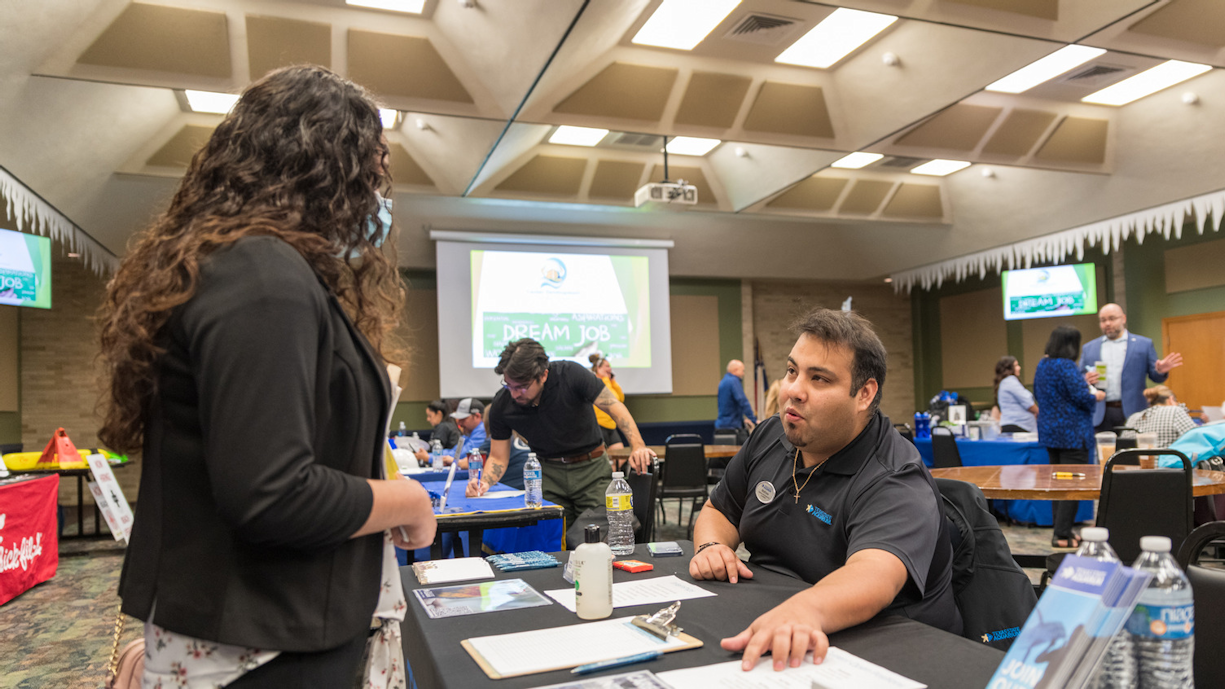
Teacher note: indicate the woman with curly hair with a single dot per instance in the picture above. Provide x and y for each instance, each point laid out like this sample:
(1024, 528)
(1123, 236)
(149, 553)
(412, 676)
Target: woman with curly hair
(245, 337)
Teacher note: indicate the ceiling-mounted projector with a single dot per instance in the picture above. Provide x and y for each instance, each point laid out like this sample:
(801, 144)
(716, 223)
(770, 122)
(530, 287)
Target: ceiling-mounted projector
(678, 192)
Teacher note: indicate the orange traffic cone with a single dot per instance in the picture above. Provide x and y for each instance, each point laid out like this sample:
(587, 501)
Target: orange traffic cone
(60, 453)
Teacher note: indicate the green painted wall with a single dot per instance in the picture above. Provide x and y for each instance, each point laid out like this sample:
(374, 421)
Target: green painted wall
(644, 408)
(1147, 301)
(925, 319)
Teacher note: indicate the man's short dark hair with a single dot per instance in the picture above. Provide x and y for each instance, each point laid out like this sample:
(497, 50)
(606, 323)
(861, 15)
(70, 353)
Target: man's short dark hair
(849, 329)
(1064, 343)
(522, 361)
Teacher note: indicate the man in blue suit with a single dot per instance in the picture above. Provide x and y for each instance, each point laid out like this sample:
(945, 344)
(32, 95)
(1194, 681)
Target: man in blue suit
(1129, 360)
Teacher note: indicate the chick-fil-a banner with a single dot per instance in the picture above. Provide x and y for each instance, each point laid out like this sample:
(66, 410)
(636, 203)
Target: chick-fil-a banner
(29, 549)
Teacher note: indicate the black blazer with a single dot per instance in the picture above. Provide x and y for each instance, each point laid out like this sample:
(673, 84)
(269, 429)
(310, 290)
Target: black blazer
(269, 415)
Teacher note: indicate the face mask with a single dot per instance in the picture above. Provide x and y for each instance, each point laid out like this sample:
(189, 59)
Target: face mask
(373, 232)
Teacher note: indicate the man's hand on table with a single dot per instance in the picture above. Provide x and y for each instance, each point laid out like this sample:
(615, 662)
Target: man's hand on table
(641, 458)
(788, 632)
(718, 562)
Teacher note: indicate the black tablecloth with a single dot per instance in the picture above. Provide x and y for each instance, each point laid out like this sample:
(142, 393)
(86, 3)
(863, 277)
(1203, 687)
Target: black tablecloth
(925, 654)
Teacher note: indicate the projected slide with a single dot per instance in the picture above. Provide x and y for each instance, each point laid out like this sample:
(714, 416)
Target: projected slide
(573, 304)
(1046, 292)
(25, 269)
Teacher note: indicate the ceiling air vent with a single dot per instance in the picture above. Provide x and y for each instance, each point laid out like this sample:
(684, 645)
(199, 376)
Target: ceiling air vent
(899, 162)
(763, 29)
(1097, 75)
(651, 142)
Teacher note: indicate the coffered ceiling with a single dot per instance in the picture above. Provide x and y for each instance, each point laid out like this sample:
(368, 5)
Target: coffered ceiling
(92, 91)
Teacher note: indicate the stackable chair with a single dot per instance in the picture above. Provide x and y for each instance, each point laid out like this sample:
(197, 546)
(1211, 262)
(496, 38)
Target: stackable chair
(945, 454)
(904, 430)
(1208, 583)
(684, 473)
(1138, 503)
(645, 488)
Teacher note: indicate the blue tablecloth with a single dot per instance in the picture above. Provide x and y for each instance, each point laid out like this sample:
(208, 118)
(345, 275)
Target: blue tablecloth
(545, 535)
(1000, 452)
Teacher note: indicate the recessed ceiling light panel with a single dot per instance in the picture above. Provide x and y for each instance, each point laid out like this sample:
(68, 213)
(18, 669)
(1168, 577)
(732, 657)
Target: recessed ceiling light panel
(210, 101)
(1047, 68)
(854, 161)
(682, 24)
(407, 6)
(837, 36)
(389, 117)
(578, 136)
(940, 167)
(691, 146)
(1147, 83)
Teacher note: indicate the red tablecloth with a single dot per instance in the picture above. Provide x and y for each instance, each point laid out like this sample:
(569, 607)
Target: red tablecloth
(29, 550)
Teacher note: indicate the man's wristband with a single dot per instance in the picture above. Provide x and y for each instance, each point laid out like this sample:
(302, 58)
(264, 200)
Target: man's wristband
(704, 546)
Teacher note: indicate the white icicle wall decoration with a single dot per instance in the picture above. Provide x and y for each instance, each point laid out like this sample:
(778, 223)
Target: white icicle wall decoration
(1166, 219)
(24, 207)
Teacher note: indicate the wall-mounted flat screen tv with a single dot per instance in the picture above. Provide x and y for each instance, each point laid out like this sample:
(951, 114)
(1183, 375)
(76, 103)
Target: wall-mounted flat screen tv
(25, 269)
(1069, 290)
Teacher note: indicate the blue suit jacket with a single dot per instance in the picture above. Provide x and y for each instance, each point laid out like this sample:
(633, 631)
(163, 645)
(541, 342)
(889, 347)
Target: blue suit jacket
(1141, 362)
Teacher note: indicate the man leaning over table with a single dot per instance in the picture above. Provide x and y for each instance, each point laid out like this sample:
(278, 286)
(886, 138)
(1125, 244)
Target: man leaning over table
(828, 492)
(1129, 359)
(550, 405)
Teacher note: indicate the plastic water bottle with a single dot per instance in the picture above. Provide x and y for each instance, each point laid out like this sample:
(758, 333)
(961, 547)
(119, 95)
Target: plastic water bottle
(475, 464)
(533, 496)
(619, 502)
(1163, 624)
(436, 453)
(1118, 667)
(403, 430)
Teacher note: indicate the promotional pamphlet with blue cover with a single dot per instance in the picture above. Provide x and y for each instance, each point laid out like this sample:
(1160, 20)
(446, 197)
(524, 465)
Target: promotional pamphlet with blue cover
(1062, 642)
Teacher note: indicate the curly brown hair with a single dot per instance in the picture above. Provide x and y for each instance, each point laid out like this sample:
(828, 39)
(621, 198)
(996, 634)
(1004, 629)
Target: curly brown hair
(301, 157)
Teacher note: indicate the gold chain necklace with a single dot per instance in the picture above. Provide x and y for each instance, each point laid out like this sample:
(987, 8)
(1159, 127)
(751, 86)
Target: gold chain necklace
(794, 463)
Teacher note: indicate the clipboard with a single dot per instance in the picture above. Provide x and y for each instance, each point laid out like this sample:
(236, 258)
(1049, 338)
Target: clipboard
(552, 645)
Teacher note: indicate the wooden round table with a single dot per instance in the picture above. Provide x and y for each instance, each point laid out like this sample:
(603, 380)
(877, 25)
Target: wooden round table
(1036, 481)
(621, 454)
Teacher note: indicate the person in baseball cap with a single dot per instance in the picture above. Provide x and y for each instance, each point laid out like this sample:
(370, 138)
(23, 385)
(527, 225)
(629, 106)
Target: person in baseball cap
(470, 417)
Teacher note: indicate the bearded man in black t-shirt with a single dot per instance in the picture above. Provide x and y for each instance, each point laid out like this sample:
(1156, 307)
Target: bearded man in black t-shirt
(550, 405)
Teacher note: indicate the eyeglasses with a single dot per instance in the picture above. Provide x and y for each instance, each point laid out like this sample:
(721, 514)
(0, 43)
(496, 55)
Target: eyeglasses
(515, 387)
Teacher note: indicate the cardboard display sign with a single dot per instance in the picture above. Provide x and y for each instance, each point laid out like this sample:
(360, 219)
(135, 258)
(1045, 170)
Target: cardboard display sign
(110, 499)
(29, 544)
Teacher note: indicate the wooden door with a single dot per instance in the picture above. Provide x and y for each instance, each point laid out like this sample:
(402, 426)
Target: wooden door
(1200, 339)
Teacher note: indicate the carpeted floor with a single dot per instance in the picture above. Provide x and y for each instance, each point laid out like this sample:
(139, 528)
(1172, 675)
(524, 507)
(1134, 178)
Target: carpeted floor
(59, 633)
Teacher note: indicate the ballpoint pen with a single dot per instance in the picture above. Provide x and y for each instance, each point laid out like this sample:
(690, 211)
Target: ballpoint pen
(616, 662)
(1066, 474)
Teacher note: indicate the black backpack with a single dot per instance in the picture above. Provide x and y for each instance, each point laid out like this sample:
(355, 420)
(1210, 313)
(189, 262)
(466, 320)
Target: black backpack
(993, 593)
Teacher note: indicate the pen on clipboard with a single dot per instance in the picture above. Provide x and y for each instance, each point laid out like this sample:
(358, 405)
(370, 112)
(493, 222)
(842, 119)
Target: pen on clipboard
(616, 662)
(1066, 474)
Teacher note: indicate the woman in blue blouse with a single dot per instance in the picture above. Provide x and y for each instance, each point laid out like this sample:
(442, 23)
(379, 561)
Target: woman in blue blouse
(1018, 411)
(1065, 417)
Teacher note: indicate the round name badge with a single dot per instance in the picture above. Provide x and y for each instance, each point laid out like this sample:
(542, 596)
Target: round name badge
(765, 492)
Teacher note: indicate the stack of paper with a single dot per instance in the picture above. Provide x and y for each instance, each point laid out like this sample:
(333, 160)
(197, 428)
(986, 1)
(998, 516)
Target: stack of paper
(458, 569)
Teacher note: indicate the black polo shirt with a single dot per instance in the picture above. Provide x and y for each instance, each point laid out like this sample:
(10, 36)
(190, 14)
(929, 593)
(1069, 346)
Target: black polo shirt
(873, 493)
(563, 424)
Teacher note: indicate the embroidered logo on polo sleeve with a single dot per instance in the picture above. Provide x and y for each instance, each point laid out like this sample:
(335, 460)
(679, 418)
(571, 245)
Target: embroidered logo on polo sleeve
(819, 514)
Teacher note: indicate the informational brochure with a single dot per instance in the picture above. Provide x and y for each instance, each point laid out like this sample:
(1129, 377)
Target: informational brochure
(640, 592)
(473, 599)
(839, 670)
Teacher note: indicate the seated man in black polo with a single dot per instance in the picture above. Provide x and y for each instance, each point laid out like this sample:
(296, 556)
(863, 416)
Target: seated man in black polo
(550, 405)
(828, 492)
